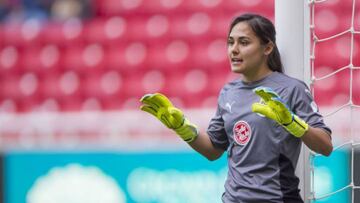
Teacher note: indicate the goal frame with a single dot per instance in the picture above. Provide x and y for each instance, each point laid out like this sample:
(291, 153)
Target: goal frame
(292, 22)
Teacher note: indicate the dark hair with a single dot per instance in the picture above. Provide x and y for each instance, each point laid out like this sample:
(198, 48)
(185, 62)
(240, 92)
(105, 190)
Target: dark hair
(265, 31)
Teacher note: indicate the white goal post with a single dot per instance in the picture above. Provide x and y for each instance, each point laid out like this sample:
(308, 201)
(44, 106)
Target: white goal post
(292, 22)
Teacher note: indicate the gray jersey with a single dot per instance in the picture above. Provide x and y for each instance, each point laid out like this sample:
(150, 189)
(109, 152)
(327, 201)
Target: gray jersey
(262, 155)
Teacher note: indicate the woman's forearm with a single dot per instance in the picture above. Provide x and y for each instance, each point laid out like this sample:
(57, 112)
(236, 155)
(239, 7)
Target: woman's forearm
(204, 146)
(318, 140)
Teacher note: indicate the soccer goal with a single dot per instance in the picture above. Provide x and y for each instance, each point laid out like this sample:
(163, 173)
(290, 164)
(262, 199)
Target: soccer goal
(319, 44)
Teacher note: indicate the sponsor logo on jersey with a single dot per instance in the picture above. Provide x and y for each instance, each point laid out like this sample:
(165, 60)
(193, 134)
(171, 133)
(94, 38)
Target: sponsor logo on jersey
(229, 105)
(242, 132)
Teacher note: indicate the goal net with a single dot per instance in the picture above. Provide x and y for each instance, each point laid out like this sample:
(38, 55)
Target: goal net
(325, 35)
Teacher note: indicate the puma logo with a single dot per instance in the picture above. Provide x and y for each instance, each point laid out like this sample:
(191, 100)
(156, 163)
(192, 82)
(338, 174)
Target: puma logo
(229, 105)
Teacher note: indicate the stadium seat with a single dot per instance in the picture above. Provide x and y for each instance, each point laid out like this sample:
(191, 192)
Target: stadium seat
(209, 53)
(338, 48)
(10, 34)
(70, 105)
(169, 54)
(48, 105)
(328, 22)
(60, 85)
(116, 28)
(21, 90)
(115, 58)
(356, 51)
(162, 6)
(27, 33)
(91, 104)
(72, 58)
(106, 30)
(95, 31)
(339, 84)
(132, 47)
(53, 34)
(153, 81)
(132, 86)
(84, 58)
(356, 87)
(102, 85)
(111, 104)
(147, 28)
(64, 88)
(8, 106)
(115, 7)
(10, 58)
(10, 88)
(40, 59)
(242, 6)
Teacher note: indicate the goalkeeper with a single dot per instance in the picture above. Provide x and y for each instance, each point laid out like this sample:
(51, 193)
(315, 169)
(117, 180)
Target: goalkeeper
(261, 119)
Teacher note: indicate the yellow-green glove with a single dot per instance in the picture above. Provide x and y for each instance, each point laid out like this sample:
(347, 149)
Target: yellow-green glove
(274, 108)
(161, 107)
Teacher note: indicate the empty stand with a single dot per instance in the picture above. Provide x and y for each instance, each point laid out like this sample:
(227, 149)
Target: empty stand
(133, 47)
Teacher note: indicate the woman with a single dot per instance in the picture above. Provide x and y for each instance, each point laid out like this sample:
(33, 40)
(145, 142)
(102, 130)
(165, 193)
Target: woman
(261, 119)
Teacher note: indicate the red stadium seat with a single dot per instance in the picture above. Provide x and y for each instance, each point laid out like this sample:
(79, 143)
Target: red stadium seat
(115, 7)
(132, 86)
(328, 22)
(84, 58)
(195, 26)
(8, 106)
(26, 33)
(10, 87)
(162, 6)
(115, 58)
(72, 58)
(106, 30)
(95, 31)
(10, 58)
(339, 85)
(102, 85)
(356, 50)
(111, 104)
(153, 81)
(48, 105)
(53, 34)
(22, 89)
(256, 6)
(68, 33)
(129, 48)
(40, 59)
(356, 87)
(73, 104)
(64, 86)
(129, 57)
(357, 18)
(92, 104)
(338, 49)
(170, 55)
(137, 28)
(211, 54)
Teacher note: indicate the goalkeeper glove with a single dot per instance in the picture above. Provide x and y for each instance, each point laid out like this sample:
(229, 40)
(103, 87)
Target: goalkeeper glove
(274, 108)
(161, 107)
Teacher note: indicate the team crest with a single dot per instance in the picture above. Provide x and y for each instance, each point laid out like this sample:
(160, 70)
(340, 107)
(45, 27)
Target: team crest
(242, 132)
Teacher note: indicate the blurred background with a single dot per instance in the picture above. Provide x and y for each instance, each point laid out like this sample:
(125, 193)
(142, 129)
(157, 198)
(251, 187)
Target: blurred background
(72, 73)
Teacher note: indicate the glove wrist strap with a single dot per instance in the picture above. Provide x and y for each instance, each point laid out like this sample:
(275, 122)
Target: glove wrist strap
(297, 127)
(187, 131)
